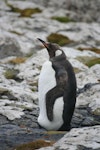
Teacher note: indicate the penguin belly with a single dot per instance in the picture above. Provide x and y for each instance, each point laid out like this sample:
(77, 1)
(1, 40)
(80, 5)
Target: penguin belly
(47, 81)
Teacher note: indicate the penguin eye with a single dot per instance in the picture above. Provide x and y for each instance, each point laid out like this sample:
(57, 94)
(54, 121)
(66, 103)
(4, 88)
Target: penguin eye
(58, 52)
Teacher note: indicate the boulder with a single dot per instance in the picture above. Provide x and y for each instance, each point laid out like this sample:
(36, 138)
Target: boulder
(87, 138)
(9, 47)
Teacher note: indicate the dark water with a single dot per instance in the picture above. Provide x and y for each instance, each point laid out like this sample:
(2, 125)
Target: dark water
(26, 129)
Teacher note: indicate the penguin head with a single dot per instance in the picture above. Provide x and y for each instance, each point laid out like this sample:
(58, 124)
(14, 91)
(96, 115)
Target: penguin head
(52, 48)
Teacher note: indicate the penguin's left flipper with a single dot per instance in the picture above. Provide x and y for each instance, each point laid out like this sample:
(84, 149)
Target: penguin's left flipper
(56, 92)
(62, 79)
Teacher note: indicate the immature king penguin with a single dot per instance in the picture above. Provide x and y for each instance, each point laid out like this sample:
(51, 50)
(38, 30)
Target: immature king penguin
(57, 90)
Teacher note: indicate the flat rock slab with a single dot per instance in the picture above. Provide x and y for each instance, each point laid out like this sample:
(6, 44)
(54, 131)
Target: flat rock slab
(87, 138)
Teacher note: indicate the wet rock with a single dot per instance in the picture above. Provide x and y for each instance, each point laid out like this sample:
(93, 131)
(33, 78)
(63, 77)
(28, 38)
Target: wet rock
(10, 135)
(83, 117)
(19, 133)
(3, 120)
(81, 138)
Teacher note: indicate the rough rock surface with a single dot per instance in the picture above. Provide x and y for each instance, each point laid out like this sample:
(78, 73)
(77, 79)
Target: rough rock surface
(79, 10)
(21, 58)
(79, 139)
(9, 47)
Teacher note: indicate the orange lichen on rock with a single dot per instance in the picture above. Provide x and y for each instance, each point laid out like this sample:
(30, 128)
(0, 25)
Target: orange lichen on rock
(34, 145)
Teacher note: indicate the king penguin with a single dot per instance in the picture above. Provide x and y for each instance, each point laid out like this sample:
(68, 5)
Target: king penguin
(57, 90)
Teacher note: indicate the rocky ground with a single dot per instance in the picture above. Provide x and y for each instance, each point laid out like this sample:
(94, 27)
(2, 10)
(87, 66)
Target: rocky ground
(21, 58)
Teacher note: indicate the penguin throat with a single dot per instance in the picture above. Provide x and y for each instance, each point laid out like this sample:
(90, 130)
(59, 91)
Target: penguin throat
(58, 52)
(51, 54)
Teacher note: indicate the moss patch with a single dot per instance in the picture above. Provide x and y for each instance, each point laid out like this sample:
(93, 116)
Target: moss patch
(59, 39)
(89, 61)
(77, 70)
(3, 91)
(55, 132)
(12, 74)
(29, 11)
(97, 112)
(6, 92)
(33, 89)
(93, 49)
(84, 59)
(34, 145)
(24, 12)
(62, 19)
(29, 54)
(93, 62)
(18, 60)
(35, 83)
(16, 32)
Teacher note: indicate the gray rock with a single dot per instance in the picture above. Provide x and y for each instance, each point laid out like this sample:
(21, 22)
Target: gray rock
(15, 135)
(3, 120)
(9, 47)
(3, 6)
(84, 10)
(87, 138)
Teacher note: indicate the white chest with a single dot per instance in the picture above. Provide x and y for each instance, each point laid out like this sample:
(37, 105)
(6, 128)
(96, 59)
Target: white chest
(46, 82)
(47, 78)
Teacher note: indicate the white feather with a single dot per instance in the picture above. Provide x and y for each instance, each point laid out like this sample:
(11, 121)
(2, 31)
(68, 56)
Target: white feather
(58, 52)
(46, 82)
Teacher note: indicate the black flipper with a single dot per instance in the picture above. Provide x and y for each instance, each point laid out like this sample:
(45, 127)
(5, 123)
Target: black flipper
(56, 92)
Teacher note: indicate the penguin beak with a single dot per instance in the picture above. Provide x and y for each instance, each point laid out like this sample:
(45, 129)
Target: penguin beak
(44, 43)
